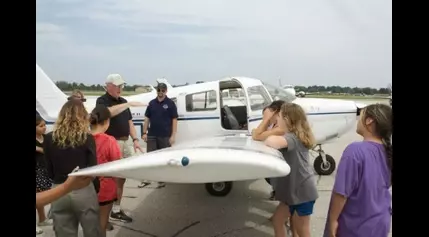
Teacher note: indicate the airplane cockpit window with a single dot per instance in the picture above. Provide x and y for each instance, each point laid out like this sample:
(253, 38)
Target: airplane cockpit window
(174, 99)
(278, 93)
(258, 97)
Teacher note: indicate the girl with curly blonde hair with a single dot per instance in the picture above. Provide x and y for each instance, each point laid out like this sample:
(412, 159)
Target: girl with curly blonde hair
(71, 144)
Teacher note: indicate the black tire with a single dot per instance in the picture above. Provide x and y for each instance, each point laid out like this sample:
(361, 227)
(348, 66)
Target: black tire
(322, 169)
(219, 189)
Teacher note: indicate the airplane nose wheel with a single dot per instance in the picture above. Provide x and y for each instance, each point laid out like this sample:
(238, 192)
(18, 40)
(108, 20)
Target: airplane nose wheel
(324, 164)
(219, 189)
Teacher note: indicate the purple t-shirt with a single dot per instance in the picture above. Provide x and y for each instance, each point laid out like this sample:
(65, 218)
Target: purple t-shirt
(364, 178)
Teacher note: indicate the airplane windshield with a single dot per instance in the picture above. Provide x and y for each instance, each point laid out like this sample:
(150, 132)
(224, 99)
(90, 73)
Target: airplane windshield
(258, 98)
(278, 93)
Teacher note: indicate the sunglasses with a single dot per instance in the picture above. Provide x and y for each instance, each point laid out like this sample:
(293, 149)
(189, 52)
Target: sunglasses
(76, 98)
(159, 90)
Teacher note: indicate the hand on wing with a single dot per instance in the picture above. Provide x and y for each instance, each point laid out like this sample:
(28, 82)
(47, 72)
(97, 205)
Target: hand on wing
(172, 140)
(136, 146)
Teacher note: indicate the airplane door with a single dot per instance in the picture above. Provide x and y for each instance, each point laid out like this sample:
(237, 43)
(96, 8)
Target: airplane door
(198, 114)
(257, 99)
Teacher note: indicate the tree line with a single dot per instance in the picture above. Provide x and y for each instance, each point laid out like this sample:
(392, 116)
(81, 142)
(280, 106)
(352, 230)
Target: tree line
(66, 86)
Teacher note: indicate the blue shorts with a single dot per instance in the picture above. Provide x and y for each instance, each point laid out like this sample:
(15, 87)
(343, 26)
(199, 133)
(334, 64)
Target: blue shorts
(303, 209)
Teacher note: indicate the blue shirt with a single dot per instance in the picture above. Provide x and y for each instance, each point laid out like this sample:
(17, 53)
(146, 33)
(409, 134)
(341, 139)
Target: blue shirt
(161, 115)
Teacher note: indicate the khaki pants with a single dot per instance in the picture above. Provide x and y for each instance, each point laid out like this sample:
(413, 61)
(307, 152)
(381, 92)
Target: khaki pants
(125, 148)
(77, 207)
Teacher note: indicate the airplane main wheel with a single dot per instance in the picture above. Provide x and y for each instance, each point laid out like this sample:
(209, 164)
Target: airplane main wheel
(219, 189)
(324, 169)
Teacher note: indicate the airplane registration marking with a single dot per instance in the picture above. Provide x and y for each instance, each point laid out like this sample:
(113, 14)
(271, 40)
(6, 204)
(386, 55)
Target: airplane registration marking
(314, 109)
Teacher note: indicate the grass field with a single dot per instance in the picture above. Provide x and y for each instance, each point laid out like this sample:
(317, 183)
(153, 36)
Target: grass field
(326, 96)
(348, 97)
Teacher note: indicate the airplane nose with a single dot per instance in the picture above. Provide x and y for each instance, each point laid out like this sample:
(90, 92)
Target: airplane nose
(359, 107)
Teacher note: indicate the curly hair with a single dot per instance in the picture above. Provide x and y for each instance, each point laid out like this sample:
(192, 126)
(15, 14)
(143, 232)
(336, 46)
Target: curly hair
(297, 123)
(72, 126)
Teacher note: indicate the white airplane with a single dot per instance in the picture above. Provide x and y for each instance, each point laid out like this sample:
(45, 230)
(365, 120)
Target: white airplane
(205, 113)
(289, 89)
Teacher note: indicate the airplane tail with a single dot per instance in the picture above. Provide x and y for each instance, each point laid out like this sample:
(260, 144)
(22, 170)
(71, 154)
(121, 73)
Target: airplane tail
(163, 80)
(49, 98)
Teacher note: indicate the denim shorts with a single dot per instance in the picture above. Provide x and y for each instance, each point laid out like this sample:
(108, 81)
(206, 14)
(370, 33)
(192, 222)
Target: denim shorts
(302, 209)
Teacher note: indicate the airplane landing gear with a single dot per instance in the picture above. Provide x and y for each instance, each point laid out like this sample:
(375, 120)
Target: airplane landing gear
(324, 164)
(219, 189)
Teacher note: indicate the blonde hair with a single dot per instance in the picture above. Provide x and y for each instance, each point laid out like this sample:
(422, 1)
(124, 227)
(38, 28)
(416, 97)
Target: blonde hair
(77, 93)
(72, 126)
(297, 123)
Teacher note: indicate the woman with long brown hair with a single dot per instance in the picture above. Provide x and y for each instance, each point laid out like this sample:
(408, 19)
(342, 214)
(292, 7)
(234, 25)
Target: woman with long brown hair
(297, 191)
(361, 200)
(69, 145)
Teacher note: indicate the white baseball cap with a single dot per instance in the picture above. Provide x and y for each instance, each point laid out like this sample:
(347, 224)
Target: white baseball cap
(115, 79)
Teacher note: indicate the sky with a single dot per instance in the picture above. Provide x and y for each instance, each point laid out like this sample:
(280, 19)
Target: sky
(301, 42)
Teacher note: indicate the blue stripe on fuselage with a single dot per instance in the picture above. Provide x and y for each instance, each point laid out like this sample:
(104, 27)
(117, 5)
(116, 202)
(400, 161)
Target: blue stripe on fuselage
(141, 121)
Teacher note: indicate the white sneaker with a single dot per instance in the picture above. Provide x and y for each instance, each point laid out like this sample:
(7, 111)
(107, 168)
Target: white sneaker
(46, 222)
(38, 231)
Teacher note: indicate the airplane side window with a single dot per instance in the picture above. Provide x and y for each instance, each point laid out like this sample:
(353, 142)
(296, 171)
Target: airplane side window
(202, 101)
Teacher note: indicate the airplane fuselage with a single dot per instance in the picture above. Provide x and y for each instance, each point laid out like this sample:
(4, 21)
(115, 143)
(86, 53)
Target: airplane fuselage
(203, 107)
(328, 118)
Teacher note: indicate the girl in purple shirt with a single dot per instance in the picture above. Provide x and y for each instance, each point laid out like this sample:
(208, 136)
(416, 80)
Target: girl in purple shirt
(361, 202)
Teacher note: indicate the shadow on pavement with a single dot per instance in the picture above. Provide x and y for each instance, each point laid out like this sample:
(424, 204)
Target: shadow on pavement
(182, 210)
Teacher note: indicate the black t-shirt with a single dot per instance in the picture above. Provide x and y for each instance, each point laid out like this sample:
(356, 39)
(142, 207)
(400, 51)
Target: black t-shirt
(119, 124)
(62, 161)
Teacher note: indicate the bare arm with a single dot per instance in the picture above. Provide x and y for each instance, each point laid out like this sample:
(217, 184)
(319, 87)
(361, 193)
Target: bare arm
(72, 183)
(117, 109)
(337, 205)
(48, 196)
(264, 135)
(145, 125)
(262, 127)
(276, 142)
(133, 132)
(174, 127)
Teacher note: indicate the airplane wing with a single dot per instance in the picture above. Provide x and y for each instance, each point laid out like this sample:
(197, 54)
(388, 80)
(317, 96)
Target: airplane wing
(215, 159)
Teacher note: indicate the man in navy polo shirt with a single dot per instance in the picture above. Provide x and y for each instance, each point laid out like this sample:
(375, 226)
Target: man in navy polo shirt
(161, 119)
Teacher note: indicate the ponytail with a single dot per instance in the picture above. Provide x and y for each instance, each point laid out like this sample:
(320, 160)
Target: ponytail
(93, 118)
(387, 143)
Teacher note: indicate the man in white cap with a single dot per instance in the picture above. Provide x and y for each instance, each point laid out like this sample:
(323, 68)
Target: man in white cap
(121, 128)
